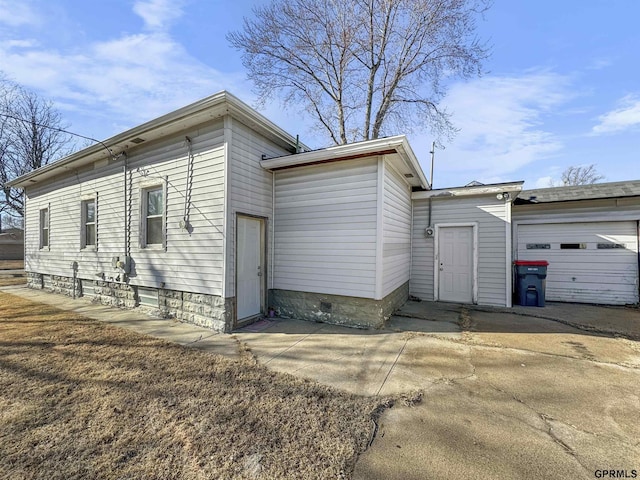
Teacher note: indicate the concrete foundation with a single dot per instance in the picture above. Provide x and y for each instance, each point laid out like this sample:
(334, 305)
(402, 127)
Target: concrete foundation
(210, 311)
(337, 309)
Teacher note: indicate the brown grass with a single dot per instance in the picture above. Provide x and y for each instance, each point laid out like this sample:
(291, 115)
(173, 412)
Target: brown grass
(81, 399)
(11, 264)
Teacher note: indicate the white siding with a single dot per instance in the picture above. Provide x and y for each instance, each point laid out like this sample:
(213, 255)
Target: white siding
(325, 228)
(396, 231)
(250, 188)
(192, 261)
(490, 215)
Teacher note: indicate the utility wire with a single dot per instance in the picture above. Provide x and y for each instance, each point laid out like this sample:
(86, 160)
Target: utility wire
(62, 130)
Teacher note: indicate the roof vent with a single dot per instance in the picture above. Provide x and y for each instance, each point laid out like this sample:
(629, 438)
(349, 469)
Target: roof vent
(138, 140)
(408, 175)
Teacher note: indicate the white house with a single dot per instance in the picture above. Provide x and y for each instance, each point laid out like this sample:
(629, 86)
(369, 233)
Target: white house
(214, 215)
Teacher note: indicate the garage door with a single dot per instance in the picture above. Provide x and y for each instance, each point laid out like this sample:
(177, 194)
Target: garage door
(595, 262)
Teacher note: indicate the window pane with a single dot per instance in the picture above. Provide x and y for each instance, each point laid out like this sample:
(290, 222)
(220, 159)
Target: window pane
(90, 234)
(45, 237)
(90, 212)
(154, 202)
(154, 231)
(45, 218)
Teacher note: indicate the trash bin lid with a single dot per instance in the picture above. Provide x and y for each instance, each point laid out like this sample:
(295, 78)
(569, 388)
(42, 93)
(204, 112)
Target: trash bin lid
(531, 263)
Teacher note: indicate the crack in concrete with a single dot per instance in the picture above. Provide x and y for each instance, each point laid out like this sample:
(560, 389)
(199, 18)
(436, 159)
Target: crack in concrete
(546, 419)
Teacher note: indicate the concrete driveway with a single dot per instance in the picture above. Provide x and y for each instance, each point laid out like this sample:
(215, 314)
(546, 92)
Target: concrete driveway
(523, 393)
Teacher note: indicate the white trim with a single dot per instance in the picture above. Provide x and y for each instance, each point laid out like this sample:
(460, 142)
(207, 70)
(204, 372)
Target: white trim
(83, 223)
(508, 255)
(226, 203)
(380, 231)
(436, 259)
(190, 116)
(142, 234)
(444, 193)
(399, 144)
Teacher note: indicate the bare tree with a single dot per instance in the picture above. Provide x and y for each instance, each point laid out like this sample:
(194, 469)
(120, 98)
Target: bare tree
(30, 137)
(581, 175)
(363, 68)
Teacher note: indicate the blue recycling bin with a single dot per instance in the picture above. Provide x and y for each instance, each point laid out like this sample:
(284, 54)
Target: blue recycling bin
(531, 282)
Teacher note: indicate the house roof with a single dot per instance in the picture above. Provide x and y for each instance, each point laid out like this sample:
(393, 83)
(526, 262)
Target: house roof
(402, 156)
(207, 109)
(580, 192)
(469, 190)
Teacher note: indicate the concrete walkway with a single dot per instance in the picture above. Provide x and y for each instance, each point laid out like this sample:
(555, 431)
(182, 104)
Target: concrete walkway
(507, 393)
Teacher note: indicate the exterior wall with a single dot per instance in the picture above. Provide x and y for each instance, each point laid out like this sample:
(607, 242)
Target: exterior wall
(578, 211)
(250, 188)
(396, 231)
(492, 217)
(338, 309)
(326, 228)
(173, 267)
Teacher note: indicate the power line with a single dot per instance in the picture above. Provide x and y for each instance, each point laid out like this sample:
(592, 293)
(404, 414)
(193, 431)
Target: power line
(62, 130)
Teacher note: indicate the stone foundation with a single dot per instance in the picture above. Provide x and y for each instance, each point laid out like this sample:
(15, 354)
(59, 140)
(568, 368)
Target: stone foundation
(337, 309)
(210, 311)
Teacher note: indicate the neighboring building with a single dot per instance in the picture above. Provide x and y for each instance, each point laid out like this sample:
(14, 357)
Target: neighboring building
(214, 215)
(589, 236)
(12, 244)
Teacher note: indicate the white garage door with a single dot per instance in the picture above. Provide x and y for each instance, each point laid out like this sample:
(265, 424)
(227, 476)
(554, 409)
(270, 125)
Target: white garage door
(595, 262)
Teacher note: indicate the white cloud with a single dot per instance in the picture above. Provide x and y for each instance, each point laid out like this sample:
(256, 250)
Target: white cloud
(117, 83)
(501, 122)
(158, 14)
(15, 14)
(625, 117)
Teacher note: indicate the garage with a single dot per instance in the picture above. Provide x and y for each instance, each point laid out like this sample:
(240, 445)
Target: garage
(589, 236)
(590, 262)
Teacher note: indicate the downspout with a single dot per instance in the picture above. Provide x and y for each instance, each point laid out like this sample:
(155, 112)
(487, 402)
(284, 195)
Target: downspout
(638, 255)
(125, 200)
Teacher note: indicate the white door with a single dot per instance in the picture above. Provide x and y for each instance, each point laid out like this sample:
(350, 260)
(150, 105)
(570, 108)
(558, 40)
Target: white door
(455, 264)
(590, 262)
(249, 267)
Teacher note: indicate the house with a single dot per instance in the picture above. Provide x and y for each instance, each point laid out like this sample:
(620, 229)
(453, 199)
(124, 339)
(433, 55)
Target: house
(12, 244)
(589, 236)
(213, 215)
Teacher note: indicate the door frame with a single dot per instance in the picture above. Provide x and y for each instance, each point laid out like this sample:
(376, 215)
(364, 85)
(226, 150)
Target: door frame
(238, 322)
(436, 259)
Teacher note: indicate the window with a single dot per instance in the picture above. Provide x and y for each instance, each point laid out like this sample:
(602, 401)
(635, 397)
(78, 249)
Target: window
(573, 246)
(44, 228)
(153, 199)
(89, 223)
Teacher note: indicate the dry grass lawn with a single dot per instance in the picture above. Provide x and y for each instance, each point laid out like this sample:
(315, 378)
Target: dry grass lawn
(80, 399)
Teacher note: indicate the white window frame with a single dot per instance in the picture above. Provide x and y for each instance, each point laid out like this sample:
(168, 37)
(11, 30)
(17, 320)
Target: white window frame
(84, 223)
(144, 191)
(42, 228)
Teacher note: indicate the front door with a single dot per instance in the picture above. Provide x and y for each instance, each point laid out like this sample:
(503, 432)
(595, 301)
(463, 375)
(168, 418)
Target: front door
(249, 266)
(455, 264)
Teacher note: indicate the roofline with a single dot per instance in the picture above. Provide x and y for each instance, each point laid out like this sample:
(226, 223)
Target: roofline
(122, 141)
(381, 146)
(508, 187)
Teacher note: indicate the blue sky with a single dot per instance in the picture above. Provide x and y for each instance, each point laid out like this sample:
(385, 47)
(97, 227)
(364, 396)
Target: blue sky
(562, 86)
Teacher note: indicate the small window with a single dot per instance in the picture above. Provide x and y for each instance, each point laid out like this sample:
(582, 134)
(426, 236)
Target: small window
(89, 223)
(573, 246)
(610, 246)
(44, 228)
(153, 199)
(538, 246)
